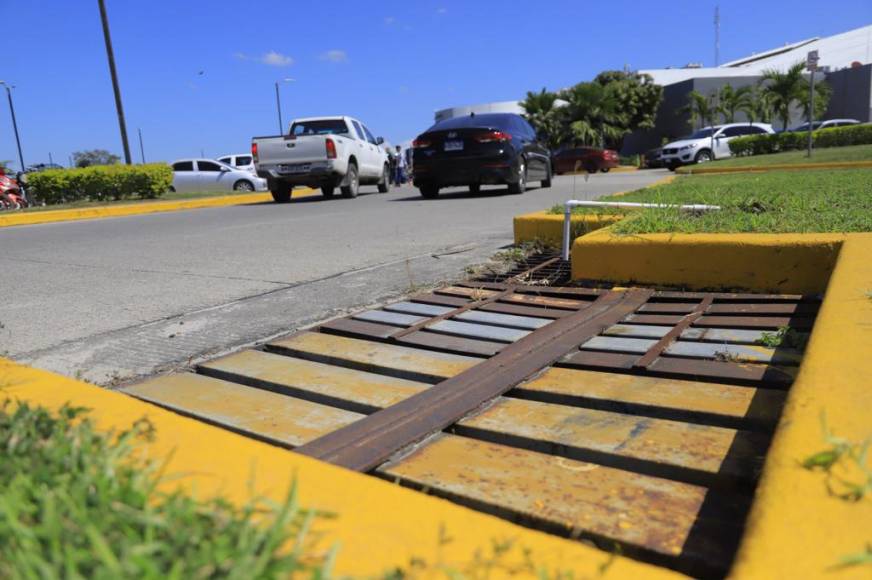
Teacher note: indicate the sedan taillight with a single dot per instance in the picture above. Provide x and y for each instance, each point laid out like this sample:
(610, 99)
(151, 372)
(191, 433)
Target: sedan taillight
(331, 148)
(492, 136)
(420, 143)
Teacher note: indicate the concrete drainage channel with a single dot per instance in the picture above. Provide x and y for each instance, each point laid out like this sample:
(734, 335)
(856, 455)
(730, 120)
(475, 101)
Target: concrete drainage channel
(633, 418)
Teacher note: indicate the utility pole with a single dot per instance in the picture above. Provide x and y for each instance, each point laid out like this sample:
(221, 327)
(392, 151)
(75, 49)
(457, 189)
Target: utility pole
(50, 160)
(811, 62)
(279, 104)
(717, 35)
(141, 148)
(115, 87)
(14, 123)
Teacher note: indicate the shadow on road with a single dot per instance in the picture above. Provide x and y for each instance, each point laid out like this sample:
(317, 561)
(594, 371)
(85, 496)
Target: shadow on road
(464, 194)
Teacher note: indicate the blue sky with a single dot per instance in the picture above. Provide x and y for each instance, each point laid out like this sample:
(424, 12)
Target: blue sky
(392, 64)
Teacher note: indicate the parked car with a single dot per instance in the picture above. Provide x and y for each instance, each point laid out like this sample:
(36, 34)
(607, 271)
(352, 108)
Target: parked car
(242, 161)
(828, 124)
(323, 152)
(709, 143)
(654, 158)
(42, 167)
(590, 159)
(212, 175)
(492, 148)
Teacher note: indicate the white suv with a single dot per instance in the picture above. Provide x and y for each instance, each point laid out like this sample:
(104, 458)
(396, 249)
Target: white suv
(709, 143)
(242, 161)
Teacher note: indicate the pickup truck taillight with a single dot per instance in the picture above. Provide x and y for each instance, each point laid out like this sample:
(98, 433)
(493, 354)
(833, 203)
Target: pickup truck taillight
(331, 148)
(254, 151)
(492, 136)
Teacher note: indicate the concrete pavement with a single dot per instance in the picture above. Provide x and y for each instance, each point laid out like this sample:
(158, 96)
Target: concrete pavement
(115, 298)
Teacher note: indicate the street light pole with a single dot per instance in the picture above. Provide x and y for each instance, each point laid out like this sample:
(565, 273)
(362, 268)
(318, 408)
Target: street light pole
(141, 148)
(111, 56)
(14, 123)
(279, 104)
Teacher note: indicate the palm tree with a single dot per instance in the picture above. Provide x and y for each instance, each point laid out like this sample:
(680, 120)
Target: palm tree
(731, 100)
(594, 114)
(822, 93)
(700, 108)
(541, 112)
(784, 88)
(758, 107)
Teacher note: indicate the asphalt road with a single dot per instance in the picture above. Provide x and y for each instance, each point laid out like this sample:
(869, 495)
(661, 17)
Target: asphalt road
(116, 298)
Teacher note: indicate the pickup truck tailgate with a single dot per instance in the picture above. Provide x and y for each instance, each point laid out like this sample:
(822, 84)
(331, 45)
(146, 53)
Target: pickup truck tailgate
(291, 150)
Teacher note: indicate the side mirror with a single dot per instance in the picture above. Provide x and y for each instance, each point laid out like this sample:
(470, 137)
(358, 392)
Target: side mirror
(225, 170)
(379, 140)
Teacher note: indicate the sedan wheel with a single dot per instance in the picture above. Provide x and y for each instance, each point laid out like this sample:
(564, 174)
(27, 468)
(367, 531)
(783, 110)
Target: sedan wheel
(520, 186)
(243, 185)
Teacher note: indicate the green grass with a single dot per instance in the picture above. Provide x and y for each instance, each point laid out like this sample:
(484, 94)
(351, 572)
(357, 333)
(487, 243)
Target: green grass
(78, 503)
(838, 200)
(168, 196)
(824, 155)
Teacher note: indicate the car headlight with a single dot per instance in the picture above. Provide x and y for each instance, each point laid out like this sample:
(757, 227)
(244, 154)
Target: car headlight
(689, 147)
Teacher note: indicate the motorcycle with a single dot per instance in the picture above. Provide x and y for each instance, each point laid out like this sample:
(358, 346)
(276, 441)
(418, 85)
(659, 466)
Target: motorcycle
(10, 194)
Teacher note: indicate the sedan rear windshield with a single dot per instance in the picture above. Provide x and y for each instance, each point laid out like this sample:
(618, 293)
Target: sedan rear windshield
(320, 127)
(502, 122)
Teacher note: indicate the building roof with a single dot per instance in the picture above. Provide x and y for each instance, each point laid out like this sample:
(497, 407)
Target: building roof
(836, 52)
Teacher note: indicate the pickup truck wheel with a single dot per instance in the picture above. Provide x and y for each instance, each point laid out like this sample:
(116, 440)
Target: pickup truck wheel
(385, 184)
(243, 185)
(281, 193)
(429, 191)
(352, 182)
(327, 191)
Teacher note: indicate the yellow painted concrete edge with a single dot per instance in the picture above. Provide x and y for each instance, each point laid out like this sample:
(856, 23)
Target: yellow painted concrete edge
(796, 529)
(378, 527)
(714, 169)
(144, 207)
(786, 263)
(547, 228)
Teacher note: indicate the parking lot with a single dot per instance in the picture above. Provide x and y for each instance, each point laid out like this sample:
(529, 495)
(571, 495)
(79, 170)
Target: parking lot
(115, 298)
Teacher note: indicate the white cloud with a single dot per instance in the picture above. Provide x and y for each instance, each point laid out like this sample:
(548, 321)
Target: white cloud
(335, 55)
(390, 20)
(271, 58)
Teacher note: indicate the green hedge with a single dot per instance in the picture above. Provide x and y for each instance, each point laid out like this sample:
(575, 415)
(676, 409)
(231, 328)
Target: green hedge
(101, 182)
(835, 137)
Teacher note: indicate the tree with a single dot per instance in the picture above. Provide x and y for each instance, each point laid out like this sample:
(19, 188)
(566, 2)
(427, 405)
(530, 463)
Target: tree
(822, 94)
(731, 100)
(700, 108)
(541, 112)
(637, 96)
(593, 114)
(783, 89)
(94, 157)
(759, 106)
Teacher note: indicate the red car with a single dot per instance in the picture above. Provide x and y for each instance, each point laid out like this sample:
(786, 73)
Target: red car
(588, 158)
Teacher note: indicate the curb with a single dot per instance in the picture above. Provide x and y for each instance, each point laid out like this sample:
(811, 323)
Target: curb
(86, 213)
(378, 526)
(782, 263)
(689, 170)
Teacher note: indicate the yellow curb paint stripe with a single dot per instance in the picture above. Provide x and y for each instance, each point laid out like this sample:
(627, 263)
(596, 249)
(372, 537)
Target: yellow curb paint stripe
(142, 208)
(714, 169)
(378, 526)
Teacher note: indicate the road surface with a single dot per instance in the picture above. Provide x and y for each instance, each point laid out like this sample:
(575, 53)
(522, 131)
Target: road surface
(112, 299)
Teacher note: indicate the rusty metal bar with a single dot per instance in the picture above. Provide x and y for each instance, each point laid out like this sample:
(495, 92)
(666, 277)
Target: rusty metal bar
(646, 359)
(369, 442)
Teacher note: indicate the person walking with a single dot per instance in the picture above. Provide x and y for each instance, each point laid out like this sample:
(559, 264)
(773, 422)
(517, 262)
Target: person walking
(400, 172)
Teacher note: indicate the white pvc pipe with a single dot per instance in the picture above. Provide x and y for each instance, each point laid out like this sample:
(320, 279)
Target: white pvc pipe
(567, 213)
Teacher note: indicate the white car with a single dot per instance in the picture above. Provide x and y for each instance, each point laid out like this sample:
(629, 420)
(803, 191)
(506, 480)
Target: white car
(325, 152)
(828, 124)
(212, 175)
(242, 161)
(709, 143)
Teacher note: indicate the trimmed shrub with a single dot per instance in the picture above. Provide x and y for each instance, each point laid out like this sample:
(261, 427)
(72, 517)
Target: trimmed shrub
(833, 137)
(101, 182)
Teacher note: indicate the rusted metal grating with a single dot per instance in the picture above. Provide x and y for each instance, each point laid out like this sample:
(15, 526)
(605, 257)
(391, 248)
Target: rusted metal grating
(540, 269)
(638, 418)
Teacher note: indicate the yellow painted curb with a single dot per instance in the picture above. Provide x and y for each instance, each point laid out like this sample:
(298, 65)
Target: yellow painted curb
(145, 207)
(714, 169)
(796, 529)
(787, 263)
(379, 526)
(547, 228)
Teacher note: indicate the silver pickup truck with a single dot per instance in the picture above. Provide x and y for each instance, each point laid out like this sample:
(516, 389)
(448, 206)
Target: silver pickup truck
(322, 152)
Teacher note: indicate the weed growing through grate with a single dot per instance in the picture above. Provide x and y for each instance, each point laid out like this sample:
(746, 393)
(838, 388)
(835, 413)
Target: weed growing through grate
(784, 336)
